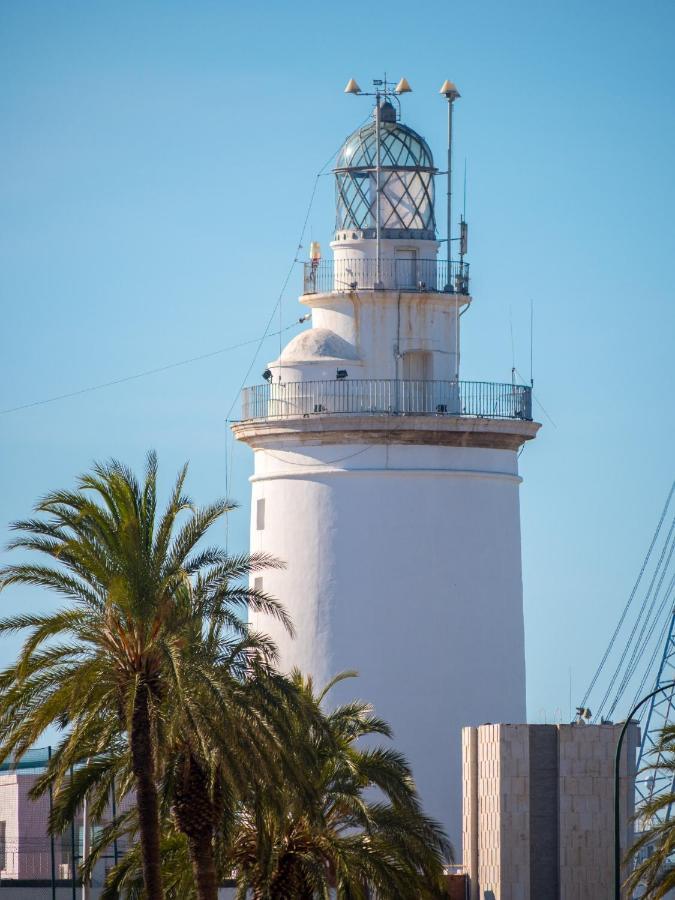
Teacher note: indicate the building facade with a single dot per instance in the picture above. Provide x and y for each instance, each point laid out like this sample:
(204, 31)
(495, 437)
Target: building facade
(386, 484)
(539, 810)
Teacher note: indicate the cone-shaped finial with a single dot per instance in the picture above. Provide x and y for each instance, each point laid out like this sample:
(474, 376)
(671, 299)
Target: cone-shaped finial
(402, 87)
(450, 90)
(352, 87)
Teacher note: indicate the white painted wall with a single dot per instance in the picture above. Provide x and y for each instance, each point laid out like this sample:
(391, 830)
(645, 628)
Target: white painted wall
(403, 562)
(372, 331)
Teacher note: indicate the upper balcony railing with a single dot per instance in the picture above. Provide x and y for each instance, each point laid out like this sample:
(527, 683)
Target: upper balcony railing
(402, 274)
(363, 397)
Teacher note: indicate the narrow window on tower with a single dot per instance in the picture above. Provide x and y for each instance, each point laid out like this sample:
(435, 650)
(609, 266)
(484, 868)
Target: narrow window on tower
(257, 584)
(260, 514)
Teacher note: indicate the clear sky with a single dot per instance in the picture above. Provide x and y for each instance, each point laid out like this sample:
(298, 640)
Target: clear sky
(156, 163)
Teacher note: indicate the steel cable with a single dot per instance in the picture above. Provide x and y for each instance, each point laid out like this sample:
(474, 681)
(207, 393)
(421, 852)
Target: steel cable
(629, 643)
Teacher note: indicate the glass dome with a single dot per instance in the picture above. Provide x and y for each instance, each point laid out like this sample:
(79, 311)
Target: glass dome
(406, 181)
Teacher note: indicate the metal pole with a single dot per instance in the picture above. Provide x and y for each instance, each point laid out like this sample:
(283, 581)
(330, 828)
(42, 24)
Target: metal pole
(114, 815)
(378, 164)
(51, 835)
(85, 845)
(449, 223)
(617, 803)
(72, 836)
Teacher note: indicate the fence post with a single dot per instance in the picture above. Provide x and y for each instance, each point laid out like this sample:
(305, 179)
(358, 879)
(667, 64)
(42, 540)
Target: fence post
(51, 835)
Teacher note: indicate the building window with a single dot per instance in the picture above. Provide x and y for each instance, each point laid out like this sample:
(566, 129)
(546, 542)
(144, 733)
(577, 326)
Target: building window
(3, 845)
(257, 584)
(260, 514)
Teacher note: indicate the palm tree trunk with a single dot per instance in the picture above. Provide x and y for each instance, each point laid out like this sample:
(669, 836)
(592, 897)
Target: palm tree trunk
(204, 867)
(196, 816)
(143, 762)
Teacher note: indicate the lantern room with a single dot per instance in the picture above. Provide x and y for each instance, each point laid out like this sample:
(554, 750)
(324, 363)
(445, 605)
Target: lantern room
(407, 172)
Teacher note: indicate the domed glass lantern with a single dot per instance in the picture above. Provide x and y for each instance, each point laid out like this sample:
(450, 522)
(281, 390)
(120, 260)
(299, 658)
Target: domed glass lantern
(406, 181)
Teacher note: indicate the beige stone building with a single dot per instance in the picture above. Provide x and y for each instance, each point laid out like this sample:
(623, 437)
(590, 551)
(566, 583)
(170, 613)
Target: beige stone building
(539, 810)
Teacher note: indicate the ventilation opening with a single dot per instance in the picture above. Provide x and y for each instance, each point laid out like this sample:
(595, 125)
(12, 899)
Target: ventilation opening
(260, 515)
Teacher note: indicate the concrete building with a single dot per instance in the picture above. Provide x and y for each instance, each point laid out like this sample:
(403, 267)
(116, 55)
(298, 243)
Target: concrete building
(539, 810)
(387, 485)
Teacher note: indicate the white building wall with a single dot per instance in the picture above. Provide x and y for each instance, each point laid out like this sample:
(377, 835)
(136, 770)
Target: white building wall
(403, 562)
(379, 327)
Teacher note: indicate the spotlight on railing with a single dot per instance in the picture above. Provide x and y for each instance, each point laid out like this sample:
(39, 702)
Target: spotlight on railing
(340, 374)
(267, 375)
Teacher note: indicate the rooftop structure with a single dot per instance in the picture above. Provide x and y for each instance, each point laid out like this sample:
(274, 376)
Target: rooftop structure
(539, 807)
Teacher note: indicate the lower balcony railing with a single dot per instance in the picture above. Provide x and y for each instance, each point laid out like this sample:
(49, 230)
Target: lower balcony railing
(477, 399)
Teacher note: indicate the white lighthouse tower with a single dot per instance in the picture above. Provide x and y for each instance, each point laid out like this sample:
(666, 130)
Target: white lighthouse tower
(387, 485)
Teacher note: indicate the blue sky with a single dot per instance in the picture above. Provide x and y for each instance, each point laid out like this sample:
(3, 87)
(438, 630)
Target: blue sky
(155, 168)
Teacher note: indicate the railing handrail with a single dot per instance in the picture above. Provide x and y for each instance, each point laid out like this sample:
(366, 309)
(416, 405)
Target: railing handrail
(387, 396)
(426, 274)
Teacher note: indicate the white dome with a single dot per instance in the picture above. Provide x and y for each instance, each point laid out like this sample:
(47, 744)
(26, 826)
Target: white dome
(317, 344)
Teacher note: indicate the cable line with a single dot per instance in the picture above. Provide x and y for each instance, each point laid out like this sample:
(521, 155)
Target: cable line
(144, 374)
(631, 597)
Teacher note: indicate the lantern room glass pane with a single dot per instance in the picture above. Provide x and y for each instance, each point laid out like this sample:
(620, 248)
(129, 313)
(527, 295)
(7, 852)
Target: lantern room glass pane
(407, 183)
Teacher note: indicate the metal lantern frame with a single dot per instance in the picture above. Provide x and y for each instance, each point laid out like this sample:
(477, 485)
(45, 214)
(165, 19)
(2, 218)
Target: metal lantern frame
(410, 204)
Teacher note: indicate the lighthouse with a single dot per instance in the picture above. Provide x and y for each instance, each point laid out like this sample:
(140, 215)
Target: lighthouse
(387, 485)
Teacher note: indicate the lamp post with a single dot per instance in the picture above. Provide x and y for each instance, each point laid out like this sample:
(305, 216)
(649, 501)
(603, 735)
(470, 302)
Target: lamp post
(450, 92)
(617, 804)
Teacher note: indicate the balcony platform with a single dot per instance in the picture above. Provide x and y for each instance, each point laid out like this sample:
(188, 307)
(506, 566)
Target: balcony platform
(447, 413)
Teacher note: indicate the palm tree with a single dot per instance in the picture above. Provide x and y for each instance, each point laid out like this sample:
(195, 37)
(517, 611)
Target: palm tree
(231, 729)
(655, 873)
(109, 662)
(339, 840)
(366, 834)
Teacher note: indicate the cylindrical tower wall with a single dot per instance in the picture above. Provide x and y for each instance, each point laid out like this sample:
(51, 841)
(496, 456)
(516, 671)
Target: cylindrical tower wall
(402, 562)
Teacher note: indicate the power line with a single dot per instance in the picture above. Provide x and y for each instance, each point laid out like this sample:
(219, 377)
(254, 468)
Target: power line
(143, 374)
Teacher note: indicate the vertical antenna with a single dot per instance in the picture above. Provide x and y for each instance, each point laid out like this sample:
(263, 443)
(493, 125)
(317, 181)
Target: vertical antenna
(464, 209)
(513, 349)
(531, 341)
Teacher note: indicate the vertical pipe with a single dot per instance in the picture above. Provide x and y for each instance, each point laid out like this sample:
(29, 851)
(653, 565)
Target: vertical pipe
(378, 165)
(51, 835)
